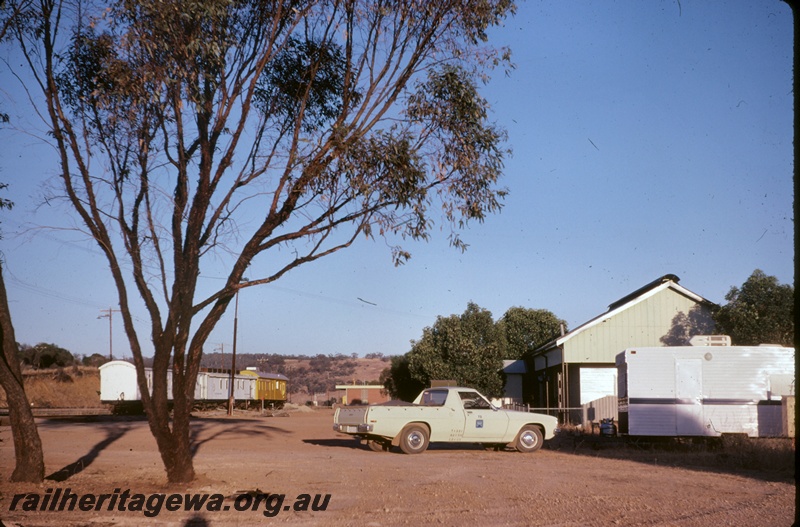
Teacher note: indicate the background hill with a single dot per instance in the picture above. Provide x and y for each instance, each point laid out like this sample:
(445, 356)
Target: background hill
(310, 378)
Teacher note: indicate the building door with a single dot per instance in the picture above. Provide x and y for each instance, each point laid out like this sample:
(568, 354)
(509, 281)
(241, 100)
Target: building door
(689, 397)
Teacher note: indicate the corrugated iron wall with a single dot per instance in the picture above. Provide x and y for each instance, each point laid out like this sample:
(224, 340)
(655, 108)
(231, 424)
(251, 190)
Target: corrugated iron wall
(595, 411)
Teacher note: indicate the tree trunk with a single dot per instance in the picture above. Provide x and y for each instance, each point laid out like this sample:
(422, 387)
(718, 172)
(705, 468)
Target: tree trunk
(175, 447)
(174, 442)
(27, 444)
(176, 457)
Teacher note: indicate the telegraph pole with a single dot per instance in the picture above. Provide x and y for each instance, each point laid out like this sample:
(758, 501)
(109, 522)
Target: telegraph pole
(108, 313)
(231, 399)
(221, 349)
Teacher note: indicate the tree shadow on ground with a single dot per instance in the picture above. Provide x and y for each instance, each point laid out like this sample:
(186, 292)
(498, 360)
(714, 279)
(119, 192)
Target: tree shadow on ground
(203, 430)
(112, 434)
(197, 520)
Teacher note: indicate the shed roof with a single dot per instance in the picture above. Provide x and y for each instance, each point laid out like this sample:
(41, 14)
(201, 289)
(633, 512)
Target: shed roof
(668, 281)
(514, 366)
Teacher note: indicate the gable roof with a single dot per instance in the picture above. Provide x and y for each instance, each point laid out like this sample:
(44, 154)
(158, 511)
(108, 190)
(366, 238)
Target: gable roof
(668, 281)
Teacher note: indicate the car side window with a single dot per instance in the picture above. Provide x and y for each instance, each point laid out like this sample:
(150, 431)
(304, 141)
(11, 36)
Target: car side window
(434, 397)
(473, 400)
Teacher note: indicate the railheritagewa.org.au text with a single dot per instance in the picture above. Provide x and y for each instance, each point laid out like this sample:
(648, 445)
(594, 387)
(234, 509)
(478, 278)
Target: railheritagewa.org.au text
(153, 504)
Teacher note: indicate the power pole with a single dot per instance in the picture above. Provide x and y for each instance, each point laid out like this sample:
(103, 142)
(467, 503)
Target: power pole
(108, 313)
(231, 398)
(221, 349)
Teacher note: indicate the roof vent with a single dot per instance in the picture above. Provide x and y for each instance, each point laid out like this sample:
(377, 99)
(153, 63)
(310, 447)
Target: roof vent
(710, 340)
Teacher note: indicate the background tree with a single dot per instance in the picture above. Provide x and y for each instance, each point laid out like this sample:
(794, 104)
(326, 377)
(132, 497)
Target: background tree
(45, 355)
(759, 312)
(465, 348)
(525, 329)
(217, 131)
(95, 359)
(399, 382)
(28, 454)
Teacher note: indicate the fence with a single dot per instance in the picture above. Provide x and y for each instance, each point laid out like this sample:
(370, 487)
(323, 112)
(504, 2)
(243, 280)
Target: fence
(599, 409)
(561, 413)
(591, 413)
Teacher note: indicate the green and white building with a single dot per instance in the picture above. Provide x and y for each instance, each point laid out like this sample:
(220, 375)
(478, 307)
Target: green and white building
(579, 366)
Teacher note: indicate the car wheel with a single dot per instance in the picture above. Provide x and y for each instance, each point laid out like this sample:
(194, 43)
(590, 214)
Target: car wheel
(529, 439)
(377, 446)
(414, 439)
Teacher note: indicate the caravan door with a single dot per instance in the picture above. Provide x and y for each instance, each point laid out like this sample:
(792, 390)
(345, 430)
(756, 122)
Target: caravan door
(689, 397)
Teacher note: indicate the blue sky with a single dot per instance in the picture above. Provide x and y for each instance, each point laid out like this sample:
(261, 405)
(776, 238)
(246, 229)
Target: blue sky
(649, 138)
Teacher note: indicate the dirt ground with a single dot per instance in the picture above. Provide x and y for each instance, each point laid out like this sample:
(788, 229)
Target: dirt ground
(301, 455)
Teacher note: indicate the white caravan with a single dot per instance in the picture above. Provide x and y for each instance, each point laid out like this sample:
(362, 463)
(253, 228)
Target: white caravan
(704, 390)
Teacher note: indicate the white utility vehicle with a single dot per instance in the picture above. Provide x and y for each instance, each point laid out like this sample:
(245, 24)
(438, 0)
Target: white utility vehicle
(448, 415)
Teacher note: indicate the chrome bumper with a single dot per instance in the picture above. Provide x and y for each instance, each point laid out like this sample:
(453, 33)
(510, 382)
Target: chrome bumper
(362, 428)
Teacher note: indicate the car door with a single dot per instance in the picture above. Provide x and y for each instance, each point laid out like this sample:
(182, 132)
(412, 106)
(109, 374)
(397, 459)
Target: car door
(482, 422)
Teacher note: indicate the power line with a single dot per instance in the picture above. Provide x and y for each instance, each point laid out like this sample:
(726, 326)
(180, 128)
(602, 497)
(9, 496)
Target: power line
(38, 290)
(333, 300)
(49, 293)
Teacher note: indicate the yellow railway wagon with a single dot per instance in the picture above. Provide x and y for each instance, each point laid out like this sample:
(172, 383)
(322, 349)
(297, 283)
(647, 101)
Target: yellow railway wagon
(269, 387)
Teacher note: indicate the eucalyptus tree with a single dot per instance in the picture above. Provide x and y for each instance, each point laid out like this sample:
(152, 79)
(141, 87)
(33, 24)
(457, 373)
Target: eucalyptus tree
(761, 311)
(28, 454)
(262, 135)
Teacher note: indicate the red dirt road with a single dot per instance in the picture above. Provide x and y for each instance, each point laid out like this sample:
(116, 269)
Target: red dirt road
(301, 455)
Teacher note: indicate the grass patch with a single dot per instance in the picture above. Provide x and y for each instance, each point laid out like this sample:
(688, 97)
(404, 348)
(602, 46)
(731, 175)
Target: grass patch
(70, 387)
(772, 458)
